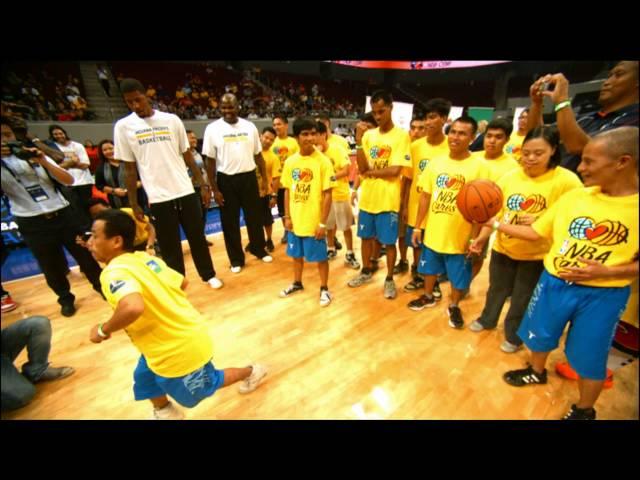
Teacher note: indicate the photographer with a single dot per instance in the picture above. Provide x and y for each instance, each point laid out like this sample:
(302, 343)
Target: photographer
(29, 180)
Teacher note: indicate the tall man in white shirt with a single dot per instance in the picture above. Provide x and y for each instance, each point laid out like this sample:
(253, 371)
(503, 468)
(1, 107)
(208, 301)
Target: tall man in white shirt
(233, 149)
(156, 144)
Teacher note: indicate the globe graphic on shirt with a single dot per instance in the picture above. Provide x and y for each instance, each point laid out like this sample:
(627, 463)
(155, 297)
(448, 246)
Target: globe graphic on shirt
(514, 201)
(578, 227)
(442, 180)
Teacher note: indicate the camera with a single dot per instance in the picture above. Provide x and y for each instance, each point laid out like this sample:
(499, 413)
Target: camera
(17, 149)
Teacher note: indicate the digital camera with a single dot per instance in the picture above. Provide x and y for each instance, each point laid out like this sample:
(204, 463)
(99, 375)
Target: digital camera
(17, 149)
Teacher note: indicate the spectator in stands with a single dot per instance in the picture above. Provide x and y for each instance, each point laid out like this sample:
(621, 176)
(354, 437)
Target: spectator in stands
(103, 76)
(478, 143)
(43, 216)
(618, 98)
(34, 334)
(156, 144)
(110, 178)
(19, 127)
(92, 153)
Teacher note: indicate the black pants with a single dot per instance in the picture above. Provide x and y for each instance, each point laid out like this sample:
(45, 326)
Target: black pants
(46, 237)
(507, 277)
(83, 195)
(204, 209)
(106, 86)
(241, 191)
(169, 217)
(281, 210)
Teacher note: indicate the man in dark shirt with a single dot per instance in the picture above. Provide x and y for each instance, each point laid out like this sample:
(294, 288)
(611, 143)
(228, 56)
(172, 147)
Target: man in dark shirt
(618, 99)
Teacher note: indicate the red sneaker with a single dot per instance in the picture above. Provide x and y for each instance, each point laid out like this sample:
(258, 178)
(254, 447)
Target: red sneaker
(8, 304)
(564, 370)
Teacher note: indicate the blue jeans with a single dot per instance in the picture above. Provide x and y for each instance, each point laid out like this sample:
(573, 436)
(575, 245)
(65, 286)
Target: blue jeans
(35, 334)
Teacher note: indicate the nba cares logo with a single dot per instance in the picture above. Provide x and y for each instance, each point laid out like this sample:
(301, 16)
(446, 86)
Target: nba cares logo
(302, 175)
(381, 152)
(281, 152)
(604, 233)
(455, 182)
(532, 204)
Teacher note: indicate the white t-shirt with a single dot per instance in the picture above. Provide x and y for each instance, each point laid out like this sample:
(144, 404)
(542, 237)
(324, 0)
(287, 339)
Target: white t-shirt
(232, 145)
(80, 176)
(156, 144)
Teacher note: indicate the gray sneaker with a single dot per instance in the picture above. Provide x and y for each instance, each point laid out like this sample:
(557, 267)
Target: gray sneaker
(390, 289)
(476, 326)
(361, 279)
(508, 347)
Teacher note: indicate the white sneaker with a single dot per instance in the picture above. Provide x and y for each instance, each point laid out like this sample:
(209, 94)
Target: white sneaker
(236, 269)
(267, 259)
(508, 347)
(170, 412)
(250, 383)
(215, 283)
(325, 298)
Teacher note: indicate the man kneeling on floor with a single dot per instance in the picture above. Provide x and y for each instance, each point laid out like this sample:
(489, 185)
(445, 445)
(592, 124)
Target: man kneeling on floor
(150, 304)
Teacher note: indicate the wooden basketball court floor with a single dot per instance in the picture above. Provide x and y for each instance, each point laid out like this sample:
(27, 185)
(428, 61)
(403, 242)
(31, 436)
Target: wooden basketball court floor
(362, 357)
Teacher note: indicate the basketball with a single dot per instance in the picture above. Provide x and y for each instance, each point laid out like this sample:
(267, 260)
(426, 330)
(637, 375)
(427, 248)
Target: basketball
(479, 200)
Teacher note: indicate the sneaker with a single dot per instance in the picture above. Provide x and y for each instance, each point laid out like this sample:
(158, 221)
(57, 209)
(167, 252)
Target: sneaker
(401, 267)
(455, 317)
(55, 373)
(331, 255)
(525, 376)
(170, 412)
(215, 283)
(390, 289)
(421, 303)
(325, 298)
(291, 289)
(267, 259)
(350, 261)
(269, 247)
(236, 269)
(414, 271)
(580, 413)
(361, 279)
(68, 310)
(8, 304)
(437, 293)
(250, 383)
(508, 347)
(476, 327)
(338, 244)
(416, 284)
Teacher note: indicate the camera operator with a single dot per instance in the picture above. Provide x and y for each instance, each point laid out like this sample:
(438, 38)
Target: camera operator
(29, 180)
(21, 132)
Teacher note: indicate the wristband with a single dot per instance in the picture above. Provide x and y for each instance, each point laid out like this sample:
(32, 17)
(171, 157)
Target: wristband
(100, 332)
(561, 105)
(496, 225)
(322, 225)
(358, 147)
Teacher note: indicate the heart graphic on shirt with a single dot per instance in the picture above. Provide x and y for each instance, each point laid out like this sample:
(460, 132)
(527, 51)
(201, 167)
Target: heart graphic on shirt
(451, 182)
(527, 203)
(592, 233)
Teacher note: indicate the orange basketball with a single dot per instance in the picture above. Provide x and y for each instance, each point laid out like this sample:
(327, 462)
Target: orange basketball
(479, 200)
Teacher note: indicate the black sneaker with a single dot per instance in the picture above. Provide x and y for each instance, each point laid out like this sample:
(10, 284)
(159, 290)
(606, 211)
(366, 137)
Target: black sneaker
(525, 376)
(437, 293)
(414, 271)
(421, 303)
(401, 267)
(68, 310)
(580, 413)
(291, 289)
(455, 317)
(338, 244)
(269, 247)
(331, 254)
(416, 284)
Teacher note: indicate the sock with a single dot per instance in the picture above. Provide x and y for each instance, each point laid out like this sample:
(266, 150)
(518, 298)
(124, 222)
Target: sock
(323, 288)
(387, 278)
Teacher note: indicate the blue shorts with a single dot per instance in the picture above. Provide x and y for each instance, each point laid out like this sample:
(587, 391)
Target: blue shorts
(188, 390)
(383, 226)
(308, 247)
(407, 237)
(592, 312)
(456, 265)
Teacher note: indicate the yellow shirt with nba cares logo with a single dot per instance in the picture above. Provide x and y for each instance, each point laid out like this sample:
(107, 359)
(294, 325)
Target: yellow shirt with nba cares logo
(422, 152)
(284, 148)
(499, 166)
(514, 146)
(171, 334)
(307, 177)
(524, 195)
(339, 159)
(447, 231)
(273, 168)
(382, 150)
(587, 223)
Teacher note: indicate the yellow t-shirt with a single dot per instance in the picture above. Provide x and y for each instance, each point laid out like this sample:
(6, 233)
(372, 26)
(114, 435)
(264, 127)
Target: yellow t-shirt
(498, 167)
(141, 227)
(422, 152)
(514, 146)
(447, 231)
(283, 149)
(587, 223)
(171, 333)
(531, 196)
(383, 150)
(307, 177)
(339, 141)
(273, 168)
(339, 159)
